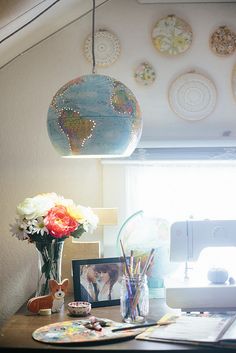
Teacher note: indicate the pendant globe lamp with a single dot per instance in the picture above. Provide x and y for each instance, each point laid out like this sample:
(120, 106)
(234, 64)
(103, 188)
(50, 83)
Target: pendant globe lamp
(94, 116)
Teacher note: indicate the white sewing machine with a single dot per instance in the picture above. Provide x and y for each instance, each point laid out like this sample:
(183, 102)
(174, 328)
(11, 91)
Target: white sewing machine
(187, 241)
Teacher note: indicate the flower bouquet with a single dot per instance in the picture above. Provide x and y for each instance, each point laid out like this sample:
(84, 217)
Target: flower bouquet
(47, 220)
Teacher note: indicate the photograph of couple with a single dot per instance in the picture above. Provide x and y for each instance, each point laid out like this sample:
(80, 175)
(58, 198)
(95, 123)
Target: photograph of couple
(100, 282)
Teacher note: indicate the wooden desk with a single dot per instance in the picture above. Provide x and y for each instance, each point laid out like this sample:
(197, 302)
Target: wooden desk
(15, 335)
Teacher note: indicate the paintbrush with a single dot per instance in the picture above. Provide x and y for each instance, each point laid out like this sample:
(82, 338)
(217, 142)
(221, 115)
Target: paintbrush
(131, 263)
(128, 285)
(157, 323)
(138, 290)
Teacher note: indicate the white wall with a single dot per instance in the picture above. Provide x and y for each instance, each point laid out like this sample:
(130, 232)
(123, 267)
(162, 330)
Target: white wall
(30, 165)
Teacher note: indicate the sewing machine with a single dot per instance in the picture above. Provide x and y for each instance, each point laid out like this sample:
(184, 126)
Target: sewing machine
(187, 240)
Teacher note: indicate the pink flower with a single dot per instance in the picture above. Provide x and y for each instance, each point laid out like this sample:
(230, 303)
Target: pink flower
(59, 222)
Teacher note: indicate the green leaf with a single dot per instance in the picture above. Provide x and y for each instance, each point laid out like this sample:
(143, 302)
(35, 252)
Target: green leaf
(44, 268)
(78, 232)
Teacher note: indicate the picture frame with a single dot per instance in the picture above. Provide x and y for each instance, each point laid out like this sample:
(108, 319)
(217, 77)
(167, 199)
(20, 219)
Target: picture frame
(98, 281)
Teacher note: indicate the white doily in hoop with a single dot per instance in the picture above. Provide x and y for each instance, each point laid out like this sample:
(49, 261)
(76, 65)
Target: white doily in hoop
(106, 48)
(192, 96)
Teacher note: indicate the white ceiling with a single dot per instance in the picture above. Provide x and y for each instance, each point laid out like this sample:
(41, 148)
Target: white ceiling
(10, 10)
(181, 1)
(161, 123)
(25, 23)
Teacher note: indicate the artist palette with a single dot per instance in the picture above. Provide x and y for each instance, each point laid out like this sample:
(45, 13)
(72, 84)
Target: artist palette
(76, 332)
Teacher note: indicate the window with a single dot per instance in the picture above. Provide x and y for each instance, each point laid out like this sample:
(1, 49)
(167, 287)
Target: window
(177, 191)
(173, 191)
(183, 190)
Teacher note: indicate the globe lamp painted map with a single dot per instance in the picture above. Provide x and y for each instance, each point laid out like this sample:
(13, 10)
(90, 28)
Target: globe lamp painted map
(96, 116)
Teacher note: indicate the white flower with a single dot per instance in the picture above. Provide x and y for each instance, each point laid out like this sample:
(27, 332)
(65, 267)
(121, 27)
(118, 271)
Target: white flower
(35, 207)
(26, 209)
(33, 210)
(37, 226)
(91, 219)
(64, 202)
(19, 230)
(43, 203)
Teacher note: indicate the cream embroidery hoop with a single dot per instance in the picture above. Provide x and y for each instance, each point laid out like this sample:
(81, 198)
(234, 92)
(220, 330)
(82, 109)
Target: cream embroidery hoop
(106, 47)
(192, 96)
(171, 35)
(234, 81)
(223, 41)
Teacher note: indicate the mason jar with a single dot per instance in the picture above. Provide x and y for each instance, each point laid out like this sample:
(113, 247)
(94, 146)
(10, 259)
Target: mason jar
(134, 299)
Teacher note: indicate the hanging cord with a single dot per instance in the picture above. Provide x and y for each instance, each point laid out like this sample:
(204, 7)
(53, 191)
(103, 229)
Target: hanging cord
(93, 52)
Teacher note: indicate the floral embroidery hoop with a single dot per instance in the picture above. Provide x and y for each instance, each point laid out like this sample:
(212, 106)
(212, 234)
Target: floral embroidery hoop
(145, 74)
(223, 41)
(106, 47)
(192, 96)
(172, 35)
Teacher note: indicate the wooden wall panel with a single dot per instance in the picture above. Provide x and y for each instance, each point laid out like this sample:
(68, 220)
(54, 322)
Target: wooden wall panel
(77, 251)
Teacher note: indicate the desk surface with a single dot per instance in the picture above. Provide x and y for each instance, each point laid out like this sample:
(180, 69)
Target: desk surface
(16, 334)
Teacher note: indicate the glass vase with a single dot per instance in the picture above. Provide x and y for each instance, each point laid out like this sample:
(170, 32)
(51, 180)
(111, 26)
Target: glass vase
(49, 264)
(134, 300)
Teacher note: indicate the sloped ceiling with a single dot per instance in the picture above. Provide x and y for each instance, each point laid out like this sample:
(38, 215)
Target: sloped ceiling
(162, 127)
(180, 1)
(25, 23)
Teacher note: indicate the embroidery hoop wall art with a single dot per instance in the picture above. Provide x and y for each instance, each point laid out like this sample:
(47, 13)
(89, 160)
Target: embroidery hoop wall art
(145, 74)
(223, 41)
(106, 47)
(171, 35)
(192, 96)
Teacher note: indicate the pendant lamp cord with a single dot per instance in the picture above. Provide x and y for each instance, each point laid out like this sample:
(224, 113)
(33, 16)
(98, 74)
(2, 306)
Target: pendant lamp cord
(93, 35)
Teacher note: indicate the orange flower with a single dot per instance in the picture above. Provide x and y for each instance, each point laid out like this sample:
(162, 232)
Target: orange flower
(59, 222)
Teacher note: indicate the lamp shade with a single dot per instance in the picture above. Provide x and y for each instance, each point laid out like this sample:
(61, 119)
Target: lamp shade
(94, 116)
